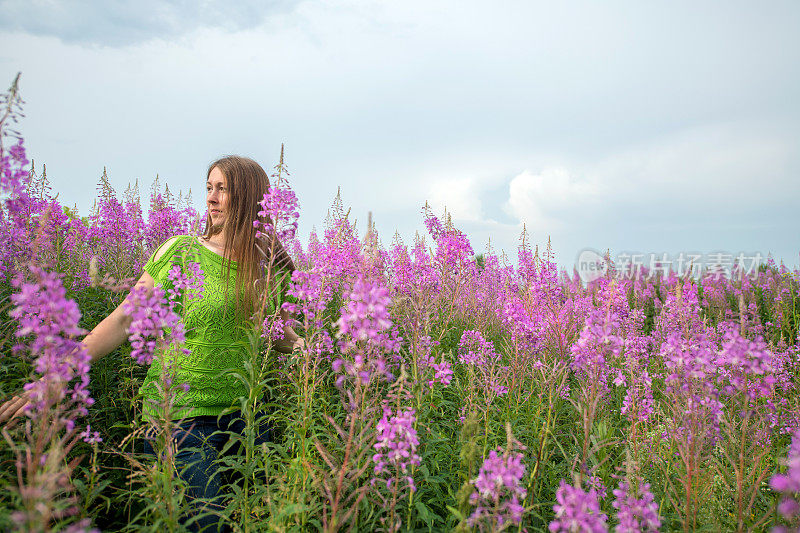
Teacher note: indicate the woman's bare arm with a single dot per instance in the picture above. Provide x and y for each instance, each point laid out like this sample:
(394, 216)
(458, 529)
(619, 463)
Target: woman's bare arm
(112, 331)
(106, 337)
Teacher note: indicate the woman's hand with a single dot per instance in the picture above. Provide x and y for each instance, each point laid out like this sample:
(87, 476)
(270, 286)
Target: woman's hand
(288, 346)
(14, 407)
(291, 340)
(299, 344)
(19, 402)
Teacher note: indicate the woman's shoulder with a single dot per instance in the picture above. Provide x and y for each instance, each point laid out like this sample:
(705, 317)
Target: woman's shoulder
(172, 244)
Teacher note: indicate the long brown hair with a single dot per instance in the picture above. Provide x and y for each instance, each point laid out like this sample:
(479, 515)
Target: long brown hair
(246, 182)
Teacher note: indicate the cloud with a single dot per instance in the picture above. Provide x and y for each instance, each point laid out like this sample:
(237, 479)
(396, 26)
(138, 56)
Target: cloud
(120, 23)
(459, 196)
(712, 172)
(552, 198)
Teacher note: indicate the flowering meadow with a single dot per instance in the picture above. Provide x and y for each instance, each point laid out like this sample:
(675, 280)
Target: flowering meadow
(439, 389)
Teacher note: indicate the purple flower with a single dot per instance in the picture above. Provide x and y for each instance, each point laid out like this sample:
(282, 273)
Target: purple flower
(91, 437)
(473, 349)
(186, 282)
(273, 328)
(432, 372)
(692, 387)
(499, 493)
(366, 313)
(750, 366)
(788, 484)
(165, 218)
(153, 321)
(364, 334)
(478, 353)
(50, 322)
(636, 512)
(638, 401)
(443, 373)
(432, 223)
(312, 293)
(577, 511)
(414, 275)
(279, 212)
(14, 176)
(599, 343)
(81, 526)
(396, 445)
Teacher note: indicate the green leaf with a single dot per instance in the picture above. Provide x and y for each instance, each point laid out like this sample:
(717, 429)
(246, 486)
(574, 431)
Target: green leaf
(424, 512)
(455, 512)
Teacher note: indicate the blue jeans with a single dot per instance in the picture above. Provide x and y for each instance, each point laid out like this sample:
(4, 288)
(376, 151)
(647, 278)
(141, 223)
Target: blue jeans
(198, 448)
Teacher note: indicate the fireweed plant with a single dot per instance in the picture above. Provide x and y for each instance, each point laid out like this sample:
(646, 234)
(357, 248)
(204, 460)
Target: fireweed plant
(157, 331)
(438, 387)
(48, 324)
(253, 502)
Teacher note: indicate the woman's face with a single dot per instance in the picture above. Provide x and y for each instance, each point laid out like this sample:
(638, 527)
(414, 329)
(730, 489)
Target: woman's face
(217, 196)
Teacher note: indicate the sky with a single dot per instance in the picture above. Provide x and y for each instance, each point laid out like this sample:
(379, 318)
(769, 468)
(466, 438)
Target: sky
(659, 127)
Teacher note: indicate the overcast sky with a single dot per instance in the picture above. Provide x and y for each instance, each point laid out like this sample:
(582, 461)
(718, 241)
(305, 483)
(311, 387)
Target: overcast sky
(659, 127)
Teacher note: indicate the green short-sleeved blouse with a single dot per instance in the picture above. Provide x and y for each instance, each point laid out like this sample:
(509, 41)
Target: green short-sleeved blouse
(215, 338)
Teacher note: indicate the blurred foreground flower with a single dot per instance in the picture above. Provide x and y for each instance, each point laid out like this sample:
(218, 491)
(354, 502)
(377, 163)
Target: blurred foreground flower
(577, 511)
(788, 485)
(636, 512)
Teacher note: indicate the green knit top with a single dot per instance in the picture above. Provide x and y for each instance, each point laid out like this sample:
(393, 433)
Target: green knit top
(216, 339)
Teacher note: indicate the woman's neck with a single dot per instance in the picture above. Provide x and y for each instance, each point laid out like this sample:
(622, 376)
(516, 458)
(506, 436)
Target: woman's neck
(215, 242)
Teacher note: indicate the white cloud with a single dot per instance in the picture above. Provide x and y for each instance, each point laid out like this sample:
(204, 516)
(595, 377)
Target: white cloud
(727, 186)
(710, 173)
(459, 196)
(547, 200)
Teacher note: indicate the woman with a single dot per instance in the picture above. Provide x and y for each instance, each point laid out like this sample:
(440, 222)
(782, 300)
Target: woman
(217, 324)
